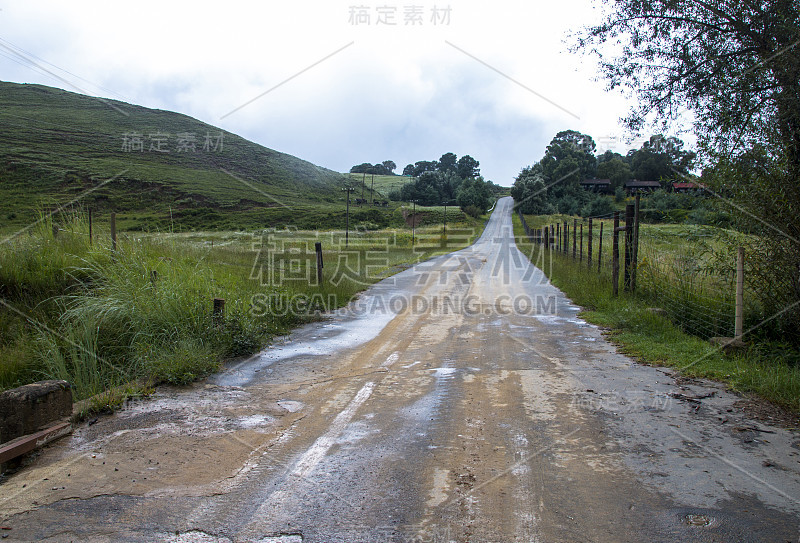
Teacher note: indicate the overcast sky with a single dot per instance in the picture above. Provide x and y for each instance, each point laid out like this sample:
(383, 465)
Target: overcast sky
(491, 79)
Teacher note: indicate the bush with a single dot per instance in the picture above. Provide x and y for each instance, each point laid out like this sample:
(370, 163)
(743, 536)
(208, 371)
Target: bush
(568, 205)
(598, 206)
(472, 211)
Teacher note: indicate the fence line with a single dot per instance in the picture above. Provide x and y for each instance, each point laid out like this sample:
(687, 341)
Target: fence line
(680, 279)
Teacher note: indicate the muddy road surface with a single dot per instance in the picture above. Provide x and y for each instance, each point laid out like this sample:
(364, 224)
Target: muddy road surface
(461, 400)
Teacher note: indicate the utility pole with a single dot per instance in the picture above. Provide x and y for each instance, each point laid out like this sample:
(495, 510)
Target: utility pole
(363, 184)
(444, 229)
(348, 190)
(444, 226)
(372, 187)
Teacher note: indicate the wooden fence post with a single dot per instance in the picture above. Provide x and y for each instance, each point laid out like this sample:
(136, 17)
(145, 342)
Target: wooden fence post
(558, 237)
(218, 313)
(574, 238)
(580, 253)
(318, 249)
(615, 257)
(739, 316)
(113, 231)
(600, 248)
(628, 246)
(589, 246)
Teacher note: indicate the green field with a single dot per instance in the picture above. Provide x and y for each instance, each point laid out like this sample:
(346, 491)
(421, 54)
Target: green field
(383, 184)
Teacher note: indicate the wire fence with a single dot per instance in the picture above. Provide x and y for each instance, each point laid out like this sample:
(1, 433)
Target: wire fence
(683, 271)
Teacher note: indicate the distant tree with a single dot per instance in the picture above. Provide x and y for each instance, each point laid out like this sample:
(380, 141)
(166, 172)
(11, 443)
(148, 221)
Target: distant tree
(474, 192)
(568, 159)
(448, 163)
(616, 169)
(530, 192)
(424, 166)
(366, 167)
(379, 169)
(608, 156)
(426, 190)
(467, 167)
(389, 166)
(408, 170)
(661, 158)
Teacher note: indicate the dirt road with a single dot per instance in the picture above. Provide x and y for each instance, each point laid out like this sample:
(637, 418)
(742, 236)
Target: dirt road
(461, 400)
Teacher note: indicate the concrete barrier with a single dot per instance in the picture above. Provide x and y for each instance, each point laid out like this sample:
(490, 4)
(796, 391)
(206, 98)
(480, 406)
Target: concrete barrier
(32, 408)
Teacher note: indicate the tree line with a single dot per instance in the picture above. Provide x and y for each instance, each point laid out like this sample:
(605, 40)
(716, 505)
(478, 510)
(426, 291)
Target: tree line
(387, 167)
(552, 185)
(449, 180)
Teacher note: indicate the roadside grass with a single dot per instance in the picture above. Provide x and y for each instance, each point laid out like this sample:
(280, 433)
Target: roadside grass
(768, 370)
(431, 215)
(686, 270)
(104, 319)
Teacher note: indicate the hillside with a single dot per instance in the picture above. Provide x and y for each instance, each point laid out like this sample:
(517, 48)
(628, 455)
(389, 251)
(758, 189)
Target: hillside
(383, 184)
(156, 169)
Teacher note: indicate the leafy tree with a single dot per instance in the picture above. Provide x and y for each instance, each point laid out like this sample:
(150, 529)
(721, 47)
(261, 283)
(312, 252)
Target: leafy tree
(389, 166)
(530, 192)
(474, 192)
(425, 190)
(448, 163)
(568, 159)
(366, 167)
(424, 166)
(408, 170)
(467, 167)
(617, 170)
(661, 158)
(735, 65)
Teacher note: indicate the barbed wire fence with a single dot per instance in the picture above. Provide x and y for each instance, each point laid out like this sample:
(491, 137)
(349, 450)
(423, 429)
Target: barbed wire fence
(682, 271)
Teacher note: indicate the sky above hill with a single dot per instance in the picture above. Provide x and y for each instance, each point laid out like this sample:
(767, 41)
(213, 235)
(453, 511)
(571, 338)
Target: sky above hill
(334, 82)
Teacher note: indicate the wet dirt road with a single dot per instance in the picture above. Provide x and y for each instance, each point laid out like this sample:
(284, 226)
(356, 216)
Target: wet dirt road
(461, 400)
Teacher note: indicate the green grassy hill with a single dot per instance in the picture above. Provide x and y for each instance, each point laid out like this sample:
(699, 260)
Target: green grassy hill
(156, 169)
(383, 184)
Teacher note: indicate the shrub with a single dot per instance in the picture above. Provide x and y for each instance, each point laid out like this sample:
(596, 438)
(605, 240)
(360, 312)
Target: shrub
(472, 211)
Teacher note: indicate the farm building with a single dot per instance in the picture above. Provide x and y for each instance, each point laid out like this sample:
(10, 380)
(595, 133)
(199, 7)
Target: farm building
(602, 186)
(636, 186)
